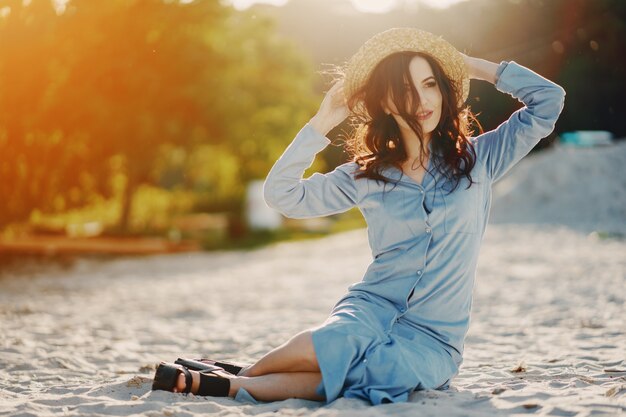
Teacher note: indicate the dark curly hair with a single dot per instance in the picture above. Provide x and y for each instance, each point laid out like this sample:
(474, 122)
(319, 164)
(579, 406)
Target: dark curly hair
(376, 143)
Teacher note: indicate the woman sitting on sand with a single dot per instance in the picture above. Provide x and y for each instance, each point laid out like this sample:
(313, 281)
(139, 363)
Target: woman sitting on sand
(402, 328)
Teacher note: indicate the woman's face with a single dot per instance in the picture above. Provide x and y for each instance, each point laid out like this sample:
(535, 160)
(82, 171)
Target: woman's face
(429, 110)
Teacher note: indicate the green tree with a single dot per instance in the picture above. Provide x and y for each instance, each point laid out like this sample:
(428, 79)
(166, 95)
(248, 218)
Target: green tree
(129, 81)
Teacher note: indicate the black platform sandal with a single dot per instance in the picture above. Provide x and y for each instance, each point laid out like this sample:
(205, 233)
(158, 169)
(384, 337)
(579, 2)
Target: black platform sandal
(166, 377)
(211, 382)
(198, 365)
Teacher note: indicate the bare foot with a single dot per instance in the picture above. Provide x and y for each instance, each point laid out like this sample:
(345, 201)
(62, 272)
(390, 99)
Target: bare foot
(181, 384)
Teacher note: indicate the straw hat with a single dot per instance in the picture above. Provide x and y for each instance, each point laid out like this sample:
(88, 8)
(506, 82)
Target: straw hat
(405, 39)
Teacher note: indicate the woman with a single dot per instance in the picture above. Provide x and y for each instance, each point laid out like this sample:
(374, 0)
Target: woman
(403, 326)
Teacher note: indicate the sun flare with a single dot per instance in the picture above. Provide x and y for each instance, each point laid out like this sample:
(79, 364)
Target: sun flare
(363, 6)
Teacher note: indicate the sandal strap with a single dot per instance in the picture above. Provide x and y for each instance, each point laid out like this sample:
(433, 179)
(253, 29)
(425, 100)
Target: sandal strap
(213, 385)
(188, 380)
(227, 366)
(195, 365)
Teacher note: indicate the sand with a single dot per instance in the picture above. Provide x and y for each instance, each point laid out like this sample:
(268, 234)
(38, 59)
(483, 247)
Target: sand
(582, 188)
(547, 336)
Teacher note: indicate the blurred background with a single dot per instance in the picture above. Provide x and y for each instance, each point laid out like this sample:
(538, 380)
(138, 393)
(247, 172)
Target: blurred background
(143, 126)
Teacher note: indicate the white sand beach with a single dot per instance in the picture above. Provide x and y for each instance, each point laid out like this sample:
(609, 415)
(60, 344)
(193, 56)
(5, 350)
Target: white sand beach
(547, 336)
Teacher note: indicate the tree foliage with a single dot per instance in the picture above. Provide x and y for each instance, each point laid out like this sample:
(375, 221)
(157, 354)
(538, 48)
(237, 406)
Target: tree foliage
(95, 88)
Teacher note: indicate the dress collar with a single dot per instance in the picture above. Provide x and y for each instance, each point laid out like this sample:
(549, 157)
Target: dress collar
(392, 172)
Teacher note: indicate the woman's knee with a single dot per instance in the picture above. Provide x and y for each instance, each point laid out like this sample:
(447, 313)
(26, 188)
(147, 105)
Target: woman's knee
(303, 343)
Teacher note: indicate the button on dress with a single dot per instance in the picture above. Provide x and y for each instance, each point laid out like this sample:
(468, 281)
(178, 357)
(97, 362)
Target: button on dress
(402, 327)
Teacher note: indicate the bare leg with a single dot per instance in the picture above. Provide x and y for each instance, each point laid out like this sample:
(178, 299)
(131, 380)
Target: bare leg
(288, 371)
(295, 355)
(280, 386)
(273, 387)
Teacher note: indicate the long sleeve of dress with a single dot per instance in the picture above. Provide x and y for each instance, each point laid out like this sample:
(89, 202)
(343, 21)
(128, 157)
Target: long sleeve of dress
(286, 191)
(503, 147)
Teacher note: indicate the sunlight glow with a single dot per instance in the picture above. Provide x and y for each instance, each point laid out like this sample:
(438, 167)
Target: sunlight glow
(374, 6)
(244, 4)
(363, 6)
(440, 4)
(60, 6)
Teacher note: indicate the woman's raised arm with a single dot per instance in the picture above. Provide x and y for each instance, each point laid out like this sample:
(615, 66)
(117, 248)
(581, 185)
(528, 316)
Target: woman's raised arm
(321, 194)
(500, 149)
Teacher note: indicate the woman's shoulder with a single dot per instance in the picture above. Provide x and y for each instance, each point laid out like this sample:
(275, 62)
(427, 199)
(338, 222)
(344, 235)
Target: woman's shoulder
(350, 167)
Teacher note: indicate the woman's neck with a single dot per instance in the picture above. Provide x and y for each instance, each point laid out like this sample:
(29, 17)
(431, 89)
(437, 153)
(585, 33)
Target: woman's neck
(412, 144)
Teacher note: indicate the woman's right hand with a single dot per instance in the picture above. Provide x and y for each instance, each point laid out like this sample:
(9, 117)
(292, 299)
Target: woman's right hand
(332, 111)
(480, 69)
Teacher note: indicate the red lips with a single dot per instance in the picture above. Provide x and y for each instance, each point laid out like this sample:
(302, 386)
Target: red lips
(424, 116)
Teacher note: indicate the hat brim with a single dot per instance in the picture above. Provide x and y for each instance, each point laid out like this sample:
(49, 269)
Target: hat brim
(395, 40)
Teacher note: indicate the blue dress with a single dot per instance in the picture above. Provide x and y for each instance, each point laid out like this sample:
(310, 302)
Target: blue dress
(402, 328)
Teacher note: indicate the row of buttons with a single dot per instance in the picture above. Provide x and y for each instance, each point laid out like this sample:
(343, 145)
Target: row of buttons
(419, 271)
(428, 230)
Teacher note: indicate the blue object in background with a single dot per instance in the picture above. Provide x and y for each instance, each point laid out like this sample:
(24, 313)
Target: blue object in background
(586, 138)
